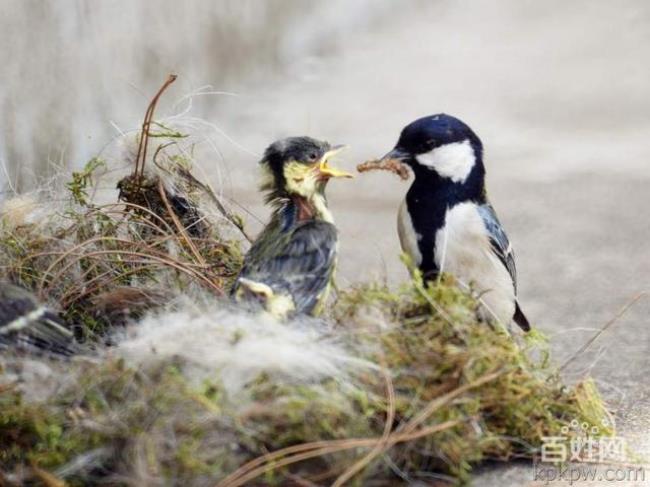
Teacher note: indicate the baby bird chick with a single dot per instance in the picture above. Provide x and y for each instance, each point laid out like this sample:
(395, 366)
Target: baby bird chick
(289, 268)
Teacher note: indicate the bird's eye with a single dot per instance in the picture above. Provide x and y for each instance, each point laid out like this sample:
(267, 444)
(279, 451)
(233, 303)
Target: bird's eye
(312, 156)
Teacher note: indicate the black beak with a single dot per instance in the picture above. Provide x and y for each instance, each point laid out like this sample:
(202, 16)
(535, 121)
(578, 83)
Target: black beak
(398, 154)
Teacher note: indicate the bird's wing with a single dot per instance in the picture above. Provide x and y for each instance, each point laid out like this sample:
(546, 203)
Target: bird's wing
(503, 250)
(298, 262)
(499, 240)
(27, 324)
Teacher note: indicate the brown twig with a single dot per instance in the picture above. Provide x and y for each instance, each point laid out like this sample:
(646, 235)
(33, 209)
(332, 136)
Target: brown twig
(144, 135)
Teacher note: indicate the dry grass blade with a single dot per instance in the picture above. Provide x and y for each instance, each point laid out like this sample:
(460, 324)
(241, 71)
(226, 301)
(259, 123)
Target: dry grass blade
(107, 209)
(179, 226)
(334, 447)
(604, 328)
(72, 251)
(161, 260)
(383, 441)
(409, 432)
(437, 403)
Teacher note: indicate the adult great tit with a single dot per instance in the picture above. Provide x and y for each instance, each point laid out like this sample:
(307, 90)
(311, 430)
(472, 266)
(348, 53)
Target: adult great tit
(446, 223)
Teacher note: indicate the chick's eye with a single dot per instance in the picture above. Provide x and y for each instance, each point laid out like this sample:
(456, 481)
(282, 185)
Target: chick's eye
(312, 156)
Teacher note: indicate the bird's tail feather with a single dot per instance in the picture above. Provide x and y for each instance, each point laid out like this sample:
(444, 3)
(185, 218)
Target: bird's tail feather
(520, 318)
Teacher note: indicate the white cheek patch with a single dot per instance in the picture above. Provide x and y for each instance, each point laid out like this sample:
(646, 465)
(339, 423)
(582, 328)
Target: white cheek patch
(454, 161)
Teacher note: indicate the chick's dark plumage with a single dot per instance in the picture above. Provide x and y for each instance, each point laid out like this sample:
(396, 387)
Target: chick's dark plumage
(296, 260)
(27, 325)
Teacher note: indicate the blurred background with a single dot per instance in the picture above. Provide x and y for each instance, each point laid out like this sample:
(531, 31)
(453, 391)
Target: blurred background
(558, 91)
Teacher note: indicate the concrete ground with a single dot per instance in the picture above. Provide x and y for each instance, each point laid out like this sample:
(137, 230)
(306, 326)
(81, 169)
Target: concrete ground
(560, 94)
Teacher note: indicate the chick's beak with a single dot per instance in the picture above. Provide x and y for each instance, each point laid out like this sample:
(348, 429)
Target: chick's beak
(330, 172)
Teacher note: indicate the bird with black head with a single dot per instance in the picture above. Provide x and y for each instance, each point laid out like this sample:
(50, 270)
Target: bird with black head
(446, 223)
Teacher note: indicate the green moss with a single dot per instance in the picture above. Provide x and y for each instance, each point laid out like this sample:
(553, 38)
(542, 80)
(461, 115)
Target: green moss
(426, 356)
(81, 180)
(37, 433)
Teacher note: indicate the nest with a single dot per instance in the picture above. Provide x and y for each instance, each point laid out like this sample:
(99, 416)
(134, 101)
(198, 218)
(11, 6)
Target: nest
(443, 392)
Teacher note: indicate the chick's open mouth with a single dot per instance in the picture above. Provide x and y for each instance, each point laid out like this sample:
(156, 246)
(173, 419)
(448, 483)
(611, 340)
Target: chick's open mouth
(327, 171)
